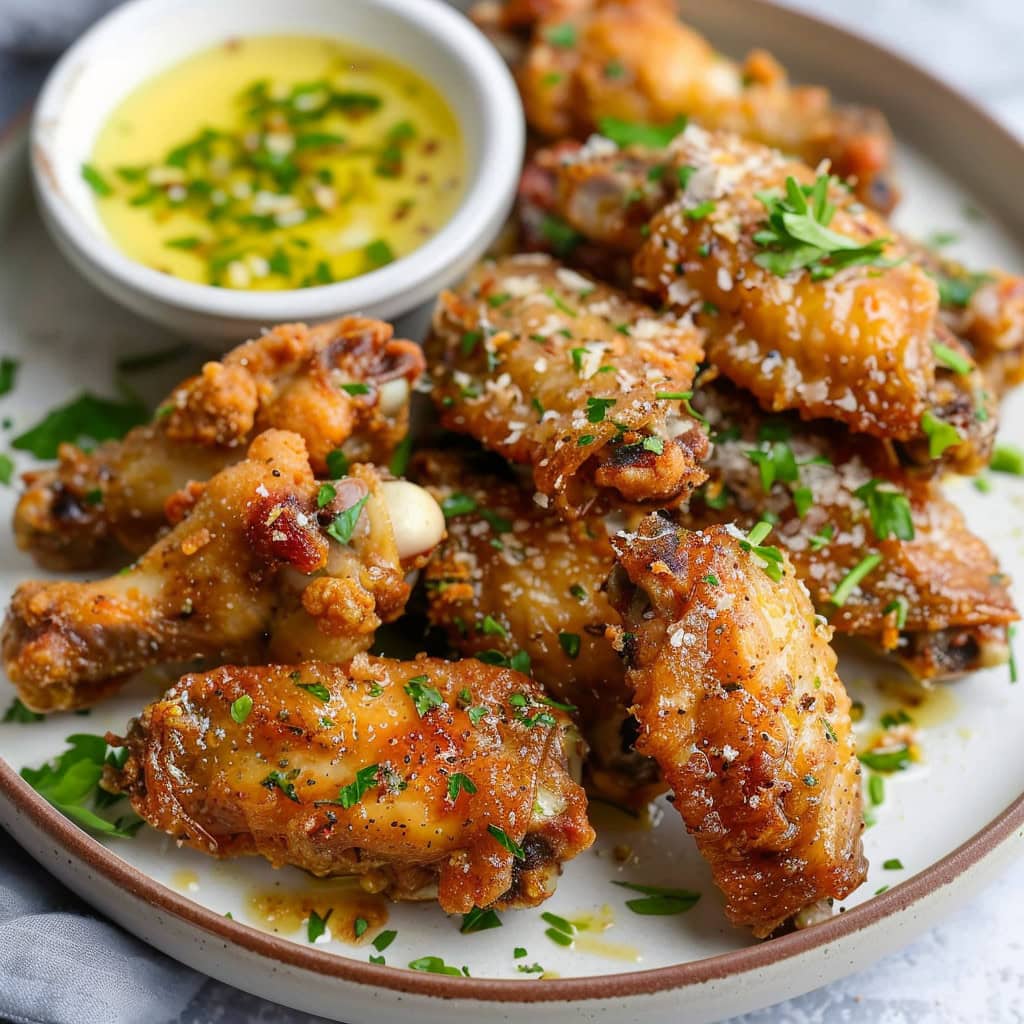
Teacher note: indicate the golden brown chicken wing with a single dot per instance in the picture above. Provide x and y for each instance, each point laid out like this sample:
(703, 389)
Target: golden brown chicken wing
(426, 778)
(910, 576)
(514, 583)
(809, 301)
(265, 563)
(344, 385)
(551, 369)
(736, 693)
(587, 61)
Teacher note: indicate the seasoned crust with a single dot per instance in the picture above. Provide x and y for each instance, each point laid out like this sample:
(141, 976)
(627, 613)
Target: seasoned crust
(198, 774)
(736, 693)
(247, 574)
(944, 582)
(92, 505)
(549, 368)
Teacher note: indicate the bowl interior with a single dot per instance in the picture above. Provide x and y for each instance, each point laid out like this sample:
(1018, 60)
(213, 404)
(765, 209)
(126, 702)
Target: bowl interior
(143, 39)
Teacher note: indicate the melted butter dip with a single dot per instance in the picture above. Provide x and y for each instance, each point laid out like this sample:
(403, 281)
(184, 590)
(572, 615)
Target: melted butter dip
(277, 162)
(592, 923)
(185, 880)
(285, 911)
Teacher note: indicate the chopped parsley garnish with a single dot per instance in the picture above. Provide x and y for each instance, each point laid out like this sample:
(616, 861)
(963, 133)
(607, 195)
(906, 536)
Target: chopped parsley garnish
(7, 469)
(400, 459)
(561, 36)
(1007, 459)
(82, 420)
(353, 793)
(284, 781)
(379, 254)
(570, 643)
(559, 303)
(853, 578)
(469, 341)
(357, 387)
(337, 464)
(384, 939)
(491, 627)
(424, 696)
(561, 931)
(674, 396)
(823, 537)
(498, 299)
(71, 784)
(562, 238)
(584, 440)
(96, 181)
(477, 713)
(519, 952)
(941, 435)
(958, 291)
(317, 925)
(803, 500)
(893, 864)
(530, 968)
(901, 607)
(436, 965)
(654, 444)
(876, 790)
(638, 133)
(457, 505)
(241, 708)
(951, 359)
(889, 509)
(830, 733)
(712, 580)
(597, 407)
(776, 462)
(8, 374)
(17, 712)
(1012, 635)
(503, 839)
(797, 235)
(459, 783)
(770, 556)
(896, 759)
(344, 523)
(325, 495)
(578, 592)
(478, 920)
(518, 662)
(359, 926)
(317, 690)
(659, 901)
(699, 212)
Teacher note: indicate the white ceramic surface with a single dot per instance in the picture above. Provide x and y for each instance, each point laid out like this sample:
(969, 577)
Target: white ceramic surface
(971, 774)
(137, 40)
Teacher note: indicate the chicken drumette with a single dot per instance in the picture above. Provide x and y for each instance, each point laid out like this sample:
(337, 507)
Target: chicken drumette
(426, 778)
(342, 386)
(264, 563)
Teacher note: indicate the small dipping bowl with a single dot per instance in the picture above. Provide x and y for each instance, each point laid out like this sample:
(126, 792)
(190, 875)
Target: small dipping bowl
(144, 37)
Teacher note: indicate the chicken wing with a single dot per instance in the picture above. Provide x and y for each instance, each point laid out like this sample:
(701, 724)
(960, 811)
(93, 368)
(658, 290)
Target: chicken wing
(512, 581)
(551, 369)
(579, 63)
(426, 778)
(934, 596)
(344, 385)
(809, 301)
(736, 693)
(265, 563)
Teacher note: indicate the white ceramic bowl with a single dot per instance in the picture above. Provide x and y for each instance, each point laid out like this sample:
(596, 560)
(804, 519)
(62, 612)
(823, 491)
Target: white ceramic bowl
(143, 37)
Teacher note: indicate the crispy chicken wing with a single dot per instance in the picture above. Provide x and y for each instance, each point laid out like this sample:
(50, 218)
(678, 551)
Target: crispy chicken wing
(513, 580)
(851, 337)
(426, 778)
(294, 378)
(551, 369)
(265, 563)
(936, 599)
(633, 60)
(736, 693)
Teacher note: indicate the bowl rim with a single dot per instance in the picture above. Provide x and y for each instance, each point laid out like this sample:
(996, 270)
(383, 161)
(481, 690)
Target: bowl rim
(1003, 831)
(492, 180)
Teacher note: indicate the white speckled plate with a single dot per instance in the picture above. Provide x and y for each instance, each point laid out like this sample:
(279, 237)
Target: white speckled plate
(952, 821)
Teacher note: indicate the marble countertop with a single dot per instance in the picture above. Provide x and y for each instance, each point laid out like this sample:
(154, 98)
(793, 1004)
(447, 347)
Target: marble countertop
(970, 968)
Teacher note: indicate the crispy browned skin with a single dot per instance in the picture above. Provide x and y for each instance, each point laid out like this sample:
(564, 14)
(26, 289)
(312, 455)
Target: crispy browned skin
(419, 831)
(92, 504)
(578, 62)
(511, 577)
(956, 599)
(249, 573)
(856, 347)
(521, 353)
(738, 700)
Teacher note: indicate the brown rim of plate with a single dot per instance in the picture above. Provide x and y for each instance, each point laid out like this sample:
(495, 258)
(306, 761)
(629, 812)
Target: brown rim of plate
(765, 954)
